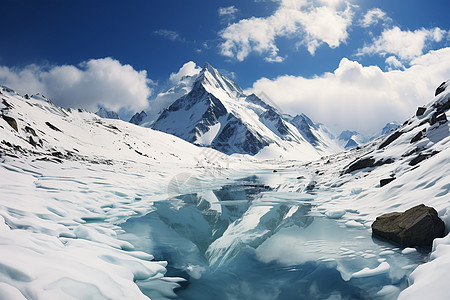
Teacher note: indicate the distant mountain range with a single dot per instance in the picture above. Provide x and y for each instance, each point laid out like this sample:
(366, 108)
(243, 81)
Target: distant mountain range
(209, 109)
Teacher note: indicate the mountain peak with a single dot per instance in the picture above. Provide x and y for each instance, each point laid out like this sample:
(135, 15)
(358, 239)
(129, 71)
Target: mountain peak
(215, 83)
(107, 114)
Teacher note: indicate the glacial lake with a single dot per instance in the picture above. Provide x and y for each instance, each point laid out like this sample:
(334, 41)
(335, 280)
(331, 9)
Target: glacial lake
(245, 240)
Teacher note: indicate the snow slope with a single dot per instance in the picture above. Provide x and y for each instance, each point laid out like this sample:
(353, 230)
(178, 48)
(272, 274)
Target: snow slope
(417, 156)
(67, 177)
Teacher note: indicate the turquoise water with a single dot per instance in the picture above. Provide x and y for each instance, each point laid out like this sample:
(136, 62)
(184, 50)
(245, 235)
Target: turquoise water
(254, 243)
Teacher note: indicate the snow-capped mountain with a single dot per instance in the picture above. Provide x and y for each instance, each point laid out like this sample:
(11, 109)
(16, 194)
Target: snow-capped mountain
(350, 139)
(213, 111)
(107, 114)
(388, 128)
(137, 118)
(35, 125)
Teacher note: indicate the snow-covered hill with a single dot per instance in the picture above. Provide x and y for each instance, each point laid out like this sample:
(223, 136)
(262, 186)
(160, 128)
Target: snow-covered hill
(66, 178)
(213, 111)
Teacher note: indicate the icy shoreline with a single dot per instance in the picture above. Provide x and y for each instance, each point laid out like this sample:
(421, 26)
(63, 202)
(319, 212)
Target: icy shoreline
(70, 178)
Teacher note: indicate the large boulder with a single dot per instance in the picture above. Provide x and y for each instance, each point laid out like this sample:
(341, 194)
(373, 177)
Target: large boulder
(11, 121)
(417, 226)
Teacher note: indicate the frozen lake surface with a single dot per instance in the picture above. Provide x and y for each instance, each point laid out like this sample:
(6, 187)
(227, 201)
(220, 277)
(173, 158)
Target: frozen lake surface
(246, 240)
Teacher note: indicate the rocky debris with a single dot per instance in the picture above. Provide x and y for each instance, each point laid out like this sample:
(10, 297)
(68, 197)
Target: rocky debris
(52, 126)
(418, 136)
(30, 130)
(385, 181)
(420, 111)
(390, 139)
(440, 89)
(11, 121)
(436, 117)
(442, 106)
(417, 226)
(367, 162)
(6, 104)
(422, 157)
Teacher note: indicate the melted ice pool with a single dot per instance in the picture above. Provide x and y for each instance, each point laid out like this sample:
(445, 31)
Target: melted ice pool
(246, 241)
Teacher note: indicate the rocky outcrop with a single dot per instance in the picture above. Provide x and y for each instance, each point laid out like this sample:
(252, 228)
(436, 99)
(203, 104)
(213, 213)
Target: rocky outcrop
(11, 121)
(420, 111)
(390, 139)
(385, 181)
(417, 226)
(440, 89)
(366, 162)
(51, 126)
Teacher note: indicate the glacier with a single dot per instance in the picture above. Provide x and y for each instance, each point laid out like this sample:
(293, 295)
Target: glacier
(102, 208)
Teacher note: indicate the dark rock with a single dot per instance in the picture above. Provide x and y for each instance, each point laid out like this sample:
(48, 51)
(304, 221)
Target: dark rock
(442, 106)
(420, 111)
(361, 164)
(368, 162)
(52, 126)
(435, 118)
(417, 226)
(390, 139)
(30, 130)
(418, 136)
(311, 186)
(385, 181)
(440, 89)
(6, 104)
(422, 157)
(11, 121)
(32, 142)
(275, 171)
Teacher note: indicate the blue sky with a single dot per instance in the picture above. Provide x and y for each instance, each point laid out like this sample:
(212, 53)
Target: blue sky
(306, 55)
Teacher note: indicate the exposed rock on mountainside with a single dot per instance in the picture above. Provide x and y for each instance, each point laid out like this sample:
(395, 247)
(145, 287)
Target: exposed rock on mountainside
(216, 113)
(138, 117)
(107, 114)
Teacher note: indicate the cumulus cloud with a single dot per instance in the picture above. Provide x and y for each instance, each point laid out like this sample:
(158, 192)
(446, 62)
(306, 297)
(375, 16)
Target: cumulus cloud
(373, 16)
(310, 23)
(169, 34)
(406, 45)
(393, 63)
(188, 69)
(357, 97)
(97, 82)
(227, 13)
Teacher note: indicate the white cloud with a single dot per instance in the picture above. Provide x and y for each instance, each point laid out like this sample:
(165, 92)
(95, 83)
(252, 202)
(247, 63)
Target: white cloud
(373, 16)
(97, 82)
(227, 13)
(311, 23)
(169, 34)
(188, 69)
(406, 45)
(357, 97)
(393, 63)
